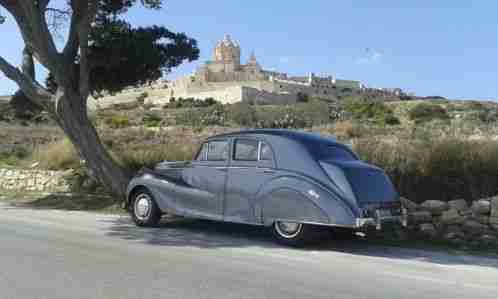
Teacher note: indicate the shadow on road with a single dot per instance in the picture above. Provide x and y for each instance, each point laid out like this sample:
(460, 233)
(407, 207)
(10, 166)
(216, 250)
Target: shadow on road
(208, 234)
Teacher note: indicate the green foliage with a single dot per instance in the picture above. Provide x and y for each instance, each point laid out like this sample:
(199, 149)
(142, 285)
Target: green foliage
(488, 115)
(121, 55)
(243, 114)
(425, 112)
(117, 121)
(141, 98)
(202, 117)
(152, 120)
(302, 97)
(371, 110)
(190, 103)
(436, 169)
(14, 156)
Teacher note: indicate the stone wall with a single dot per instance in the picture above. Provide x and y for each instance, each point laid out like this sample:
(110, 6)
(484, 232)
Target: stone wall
(456, 220)
(33, 180)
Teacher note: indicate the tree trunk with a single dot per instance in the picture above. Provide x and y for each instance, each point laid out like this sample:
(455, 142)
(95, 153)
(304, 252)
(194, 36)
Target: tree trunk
(73, 118)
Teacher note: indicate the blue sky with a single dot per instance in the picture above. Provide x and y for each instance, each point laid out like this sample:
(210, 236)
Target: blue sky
(442, 47)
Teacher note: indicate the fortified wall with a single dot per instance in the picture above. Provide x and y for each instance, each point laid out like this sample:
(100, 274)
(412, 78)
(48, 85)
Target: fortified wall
(228, 81)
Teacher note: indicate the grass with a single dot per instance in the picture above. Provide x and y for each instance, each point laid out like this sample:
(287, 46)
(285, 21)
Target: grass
(443, 169)
(58, 155)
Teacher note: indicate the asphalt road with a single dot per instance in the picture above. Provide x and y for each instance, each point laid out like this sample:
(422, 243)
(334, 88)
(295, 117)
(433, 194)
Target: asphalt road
(55, 254)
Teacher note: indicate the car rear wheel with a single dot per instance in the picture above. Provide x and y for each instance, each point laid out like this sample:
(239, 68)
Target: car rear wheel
(294, 234)
(144, 209)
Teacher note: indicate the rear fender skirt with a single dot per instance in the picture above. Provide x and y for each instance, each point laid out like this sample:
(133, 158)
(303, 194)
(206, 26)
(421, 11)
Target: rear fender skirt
(302, 201)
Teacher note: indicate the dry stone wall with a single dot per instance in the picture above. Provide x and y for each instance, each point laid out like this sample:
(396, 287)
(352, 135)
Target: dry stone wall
(33, 180)
(455, 220)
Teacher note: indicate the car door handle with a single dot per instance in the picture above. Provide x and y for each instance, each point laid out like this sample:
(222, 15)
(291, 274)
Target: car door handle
(268, 171)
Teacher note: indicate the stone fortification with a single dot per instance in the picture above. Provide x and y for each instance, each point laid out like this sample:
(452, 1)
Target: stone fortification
(227, 80)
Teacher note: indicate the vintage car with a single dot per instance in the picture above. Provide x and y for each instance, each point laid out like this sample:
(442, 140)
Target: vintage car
(295, 183)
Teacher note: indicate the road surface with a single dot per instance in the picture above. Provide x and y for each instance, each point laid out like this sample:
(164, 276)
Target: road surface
(55, 254)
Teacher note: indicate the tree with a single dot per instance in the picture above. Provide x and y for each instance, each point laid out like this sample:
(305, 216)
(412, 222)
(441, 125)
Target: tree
(98, 45)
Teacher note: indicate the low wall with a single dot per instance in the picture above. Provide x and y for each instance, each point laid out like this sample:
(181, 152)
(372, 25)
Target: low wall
(455, 220)
(33, 180)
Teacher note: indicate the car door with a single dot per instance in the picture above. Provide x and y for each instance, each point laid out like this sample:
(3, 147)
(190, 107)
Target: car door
(205, 181)
(251, 166)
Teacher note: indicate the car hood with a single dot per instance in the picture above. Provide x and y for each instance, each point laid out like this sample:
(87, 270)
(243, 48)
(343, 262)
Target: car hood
(369, 184)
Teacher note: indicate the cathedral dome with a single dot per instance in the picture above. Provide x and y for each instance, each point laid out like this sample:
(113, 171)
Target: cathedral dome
(227, 51)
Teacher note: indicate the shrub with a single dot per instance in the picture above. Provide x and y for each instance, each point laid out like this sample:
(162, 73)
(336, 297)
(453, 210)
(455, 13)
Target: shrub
(152, 120)
(135, 158)
(243, 114)
(488, 115)
(117, 121)
(374, 110)
(346, 129)
(14, 156)
(57, 155)
(190, 103)
(436, 169)
(302, 97)
(424, 112)
(141, 97)
(201, 117)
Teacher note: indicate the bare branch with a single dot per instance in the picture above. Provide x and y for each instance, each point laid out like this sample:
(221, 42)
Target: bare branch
(32, 89)
(56, 19)
(31, 20)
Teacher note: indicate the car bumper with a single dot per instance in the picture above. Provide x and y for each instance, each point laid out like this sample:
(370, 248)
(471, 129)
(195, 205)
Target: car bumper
(379, 220)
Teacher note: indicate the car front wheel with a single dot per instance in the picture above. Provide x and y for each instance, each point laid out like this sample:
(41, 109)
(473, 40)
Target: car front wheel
(294, 234)
(145, 211)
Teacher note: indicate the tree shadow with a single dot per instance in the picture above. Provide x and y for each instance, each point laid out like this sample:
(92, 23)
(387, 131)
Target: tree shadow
(204, 234)
(72, 202)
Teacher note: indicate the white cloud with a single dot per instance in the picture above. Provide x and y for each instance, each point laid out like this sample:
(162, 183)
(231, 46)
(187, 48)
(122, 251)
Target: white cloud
(370, 57)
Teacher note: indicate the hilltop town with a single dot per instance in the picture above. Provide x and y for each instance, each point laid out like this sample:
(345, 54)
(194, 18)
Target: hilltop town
(227, 80)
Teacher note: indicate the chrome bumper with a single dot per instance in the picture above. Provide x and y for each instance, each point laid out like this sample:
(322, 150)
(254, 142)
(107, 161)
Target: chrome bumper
(378, 220)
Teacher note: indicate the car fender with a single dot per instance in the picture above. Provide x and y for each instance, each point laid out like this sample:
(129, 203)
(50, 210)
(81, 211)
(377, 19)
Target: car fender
(162, 190)
(302, 200)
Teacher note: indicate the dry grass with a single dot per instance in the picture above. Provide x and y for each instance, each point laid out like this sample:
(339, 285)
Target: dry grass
(442, 169)
(56, 155)
(346, 130)
(138, 157)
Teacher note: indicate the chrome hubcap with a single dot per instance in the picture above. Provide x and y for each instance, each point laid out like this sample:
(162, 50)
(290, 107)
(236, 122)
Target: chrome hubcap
(288, 230)
(142, 206)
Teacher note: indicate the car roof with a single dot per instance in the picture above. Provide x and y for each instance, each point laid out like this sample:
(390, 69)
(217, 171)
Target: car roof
(300, 136)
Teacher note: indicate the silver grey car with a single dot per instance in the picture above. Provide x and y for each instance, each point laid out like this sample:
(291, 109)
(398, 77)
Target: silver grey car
(295, 183)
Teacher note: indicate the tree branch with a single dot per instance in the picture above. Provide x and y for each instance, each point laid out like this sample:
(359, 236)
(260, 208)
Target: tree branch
(32, 89)
(31, 20)
(87, 15)
(71, 48)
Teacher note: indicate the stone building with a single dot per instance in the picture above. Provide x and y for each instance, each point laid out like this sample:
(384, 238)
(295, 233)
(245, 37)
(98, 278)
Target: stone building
(227, 80)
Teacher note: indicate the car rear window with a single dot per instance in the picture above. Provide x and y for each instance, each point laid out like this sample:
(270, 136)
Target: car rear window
(334, 152)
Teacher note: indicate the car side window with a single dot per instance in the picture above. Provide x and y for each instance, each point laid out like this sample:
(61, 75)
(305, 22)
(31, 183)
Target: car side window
(202, 156)
(266, 153)
(246, 150)
(217, 150)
